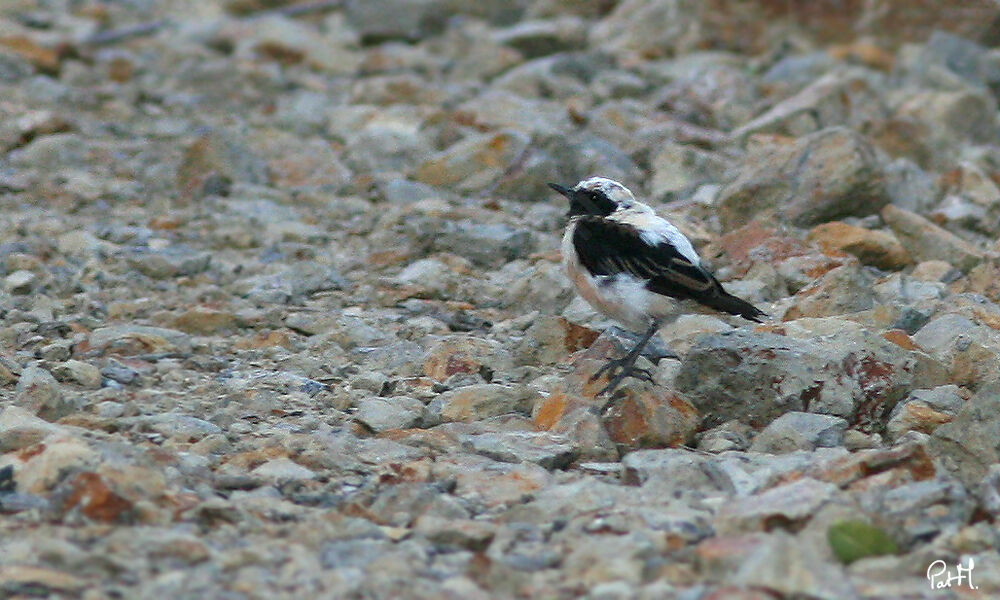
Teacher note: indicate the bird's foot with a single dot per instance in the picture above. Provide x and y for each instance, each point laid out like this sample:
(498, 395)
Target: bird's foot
(624, 368)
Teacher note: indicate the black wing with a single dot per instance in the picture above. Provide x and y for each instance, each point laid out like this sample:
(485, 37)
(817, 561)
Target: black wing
(607, 247)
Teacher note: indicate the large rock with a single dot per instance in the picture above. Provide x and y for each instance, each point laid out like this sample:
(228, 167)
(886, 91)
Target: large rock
(837, 98)
(848, 372)
(475, 162)
(966, 345)
(872, 247)
(970, 443)
(823, 176)
(638, 415)
(926, 241)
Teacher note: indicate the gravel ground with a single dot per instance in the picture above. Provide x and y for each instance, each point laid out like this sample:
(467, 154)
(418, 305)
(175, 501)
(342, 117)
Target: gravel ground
(282, 314)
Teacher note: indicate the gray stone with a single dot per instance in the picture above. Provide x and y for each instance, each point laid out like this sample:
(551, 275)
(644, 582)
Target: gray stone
(731, 435)
(800, 431)
(38, 391)
(20, 282)
(926, 241)
(481, 401)
(542, 448)
(171, 262)
(181, 427)
(484, 245)
(790, 504)
(139, 339)
(20, 428)
(838, 98)
(970, 443)
(543, 37)
(792, 567)
(382, 414)
(924, 411)
(475, 162)
(671, 471)
(282, 469)
(382, 20)
(78, 372)
(756, 377)
(827, 175)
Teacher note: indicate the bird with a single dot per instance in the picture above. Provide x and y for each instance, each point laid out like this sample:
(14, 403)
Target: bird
(635, 267)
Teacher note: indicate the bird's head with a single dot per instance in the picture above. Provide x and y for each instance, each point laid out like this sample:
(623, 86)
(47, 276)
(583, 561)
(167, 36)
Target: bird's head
(598, 196)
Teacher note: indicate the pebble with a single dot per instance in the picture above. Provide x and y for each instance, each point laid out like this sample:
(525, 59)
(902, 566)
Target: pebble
(38, 391)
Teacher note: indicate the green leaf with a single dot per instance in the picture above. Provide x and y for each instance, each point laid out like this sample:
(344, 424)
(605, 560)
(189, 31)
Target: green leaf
(851, 540)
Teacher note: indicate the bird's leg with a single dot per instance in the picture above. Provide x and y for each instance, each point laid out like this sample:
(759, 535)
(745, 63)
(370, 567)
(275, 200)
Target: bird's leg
(626, 364)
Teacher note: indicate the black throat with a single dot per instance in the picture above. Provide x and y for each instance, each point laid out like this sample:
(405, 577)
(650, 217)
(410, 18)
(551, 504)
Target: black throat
(588, 202)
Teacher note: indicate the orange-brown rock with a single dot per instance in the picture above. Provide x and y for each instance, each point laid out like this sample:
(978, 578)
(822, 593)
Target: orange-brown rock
(876, 248)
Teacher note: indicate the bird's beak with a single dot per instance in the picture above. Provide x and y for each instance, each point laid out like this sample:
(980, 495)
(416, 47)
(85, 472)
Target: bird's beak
(565, 191)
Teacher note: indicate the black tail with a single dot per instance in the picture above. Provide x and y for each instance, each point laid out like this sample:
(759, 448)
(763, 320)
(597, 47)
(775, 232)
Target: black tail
(729, 303)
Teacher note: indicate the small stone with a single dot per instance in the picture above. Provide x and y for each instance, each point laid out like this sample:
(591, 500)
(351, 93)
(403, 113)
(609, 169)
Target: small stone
(139, 339)
(116, 371)
(542, 448)
(464, 354)
(20, 282)
(792, 568)
(924, 411)
(543, 37)
(283, 469)
(38, 391)
(383, 414)
(482, 401)
(831, 368)
(57, 458)
(171, 262)
(109, 409)
(78, 372)
(843, 290)
(731, 435)
(91, 495)
(59, 350)
(800, 431)
(459, 533)
(23, 577)
(177, 426)
(650, 420)
(205, 321)
(674, 469)
(926, 241)
(551, 340)
(931, 270)
(487, 245)
(788, 504)
(21, 429)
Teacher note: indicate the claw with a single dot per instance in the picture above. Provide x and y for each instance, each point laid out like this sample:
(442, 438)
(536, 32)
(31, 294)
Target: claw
(626, 365)
(625, 368)
(643, 374)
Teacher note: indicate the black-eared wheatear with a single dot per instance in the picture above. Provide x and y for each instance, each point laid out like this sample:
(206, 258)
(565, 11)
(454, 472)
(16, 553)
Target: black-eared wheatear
(635, 267)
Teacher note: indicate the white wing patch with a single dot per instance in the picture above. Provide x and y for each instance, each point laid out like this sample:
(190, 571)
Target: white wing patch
(655, 230)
